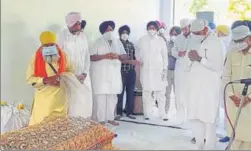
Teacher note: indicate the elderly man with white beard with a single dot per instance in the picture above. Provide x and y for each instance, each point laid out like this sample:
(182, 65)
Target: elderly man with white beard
(43, 74)
(151, 51)
(73, 40)
(205, 84)
(106, 56)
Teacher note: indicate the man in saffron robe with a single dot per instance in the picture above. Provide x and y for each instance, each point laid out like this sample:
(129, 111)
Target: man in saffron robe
(43, 74)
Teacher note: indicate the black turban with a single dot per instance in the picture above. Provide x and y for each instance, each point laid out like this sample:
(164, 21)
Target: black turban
(103, 26)
(152, 23)
(83, 24)
(124, 28)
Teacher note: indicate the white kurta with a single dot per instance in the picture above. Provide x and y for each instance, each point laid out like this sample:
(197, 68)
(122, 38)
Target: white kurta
(77, 49)
(106, 79)
(182, 66)
(105, 74)
(205, 81)
(152, 52)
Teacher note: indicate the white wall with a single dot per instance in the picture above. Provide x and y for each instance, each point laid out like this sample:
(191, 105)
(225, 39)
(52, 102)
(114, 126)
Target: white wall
(24, 20)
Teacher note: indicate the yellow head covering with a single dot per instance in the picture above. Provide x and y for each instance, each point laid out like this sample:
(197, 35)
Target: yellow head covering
(223, 29)
(47, 37)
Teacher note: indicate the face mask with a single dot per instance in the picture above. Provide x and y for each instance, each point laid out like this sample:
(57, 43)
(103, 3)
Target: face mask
(152, 32)
(162, 31)
(198, 37)
(108, 35)
(239, 46)
(49, 51)
(173, 38)
(124, 37)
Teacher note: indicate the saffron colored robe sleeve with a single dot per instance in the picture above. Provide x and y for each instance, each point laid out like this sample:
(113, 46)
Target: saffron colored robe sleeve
(238, 66)
(48, 100)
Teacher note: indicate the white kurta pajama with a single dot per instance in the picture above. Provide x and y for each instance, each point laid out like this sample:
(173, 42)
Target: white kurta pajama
(106, 79)
(152, 52)
(204, 91)
(76, 47)
(181, 44)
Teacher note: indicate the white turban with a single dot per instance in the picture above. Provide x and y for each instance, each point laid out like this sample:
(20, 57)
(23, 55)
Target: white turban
(240, 32)
(185, 22)
(72, 18)
(198, 25)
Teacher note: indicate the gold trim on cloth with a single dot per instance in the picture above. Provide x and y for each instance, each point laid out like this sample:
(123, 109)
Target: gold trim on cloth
(60, 133)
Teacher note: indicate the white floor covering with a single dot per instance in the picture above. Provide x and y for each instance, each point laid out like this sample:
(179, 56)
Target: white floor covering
(147, 137)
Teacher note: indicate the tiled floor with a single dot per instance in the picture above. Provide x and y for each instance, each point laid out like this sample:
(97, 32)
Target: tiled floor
(140, 136)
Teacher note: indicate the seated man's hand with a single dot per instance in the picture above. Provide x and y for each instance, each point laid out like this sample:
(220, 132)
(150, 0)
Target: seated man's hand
(53, 80)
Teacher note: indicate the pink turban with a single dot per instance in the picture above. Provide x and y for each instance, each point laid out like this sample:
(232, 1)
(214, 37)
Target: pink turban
(72, 18)
(161, 24)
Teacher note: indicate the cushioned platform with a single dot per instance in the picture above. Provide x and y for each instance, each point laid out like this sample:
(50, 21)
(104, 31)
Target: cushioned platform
(60, 133)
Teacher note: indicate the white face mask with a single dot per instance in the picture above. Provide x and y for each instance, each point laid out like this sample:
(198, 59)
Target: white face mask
(173, 38)
(108, 35)
(239, 46)
(162, 31)
(198, 37)
(152, 33)
(125, 37)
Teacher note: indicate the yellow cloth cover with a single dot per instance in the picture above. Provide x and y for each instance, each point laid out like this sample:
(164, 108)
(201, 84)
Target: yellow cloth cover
(60, 133)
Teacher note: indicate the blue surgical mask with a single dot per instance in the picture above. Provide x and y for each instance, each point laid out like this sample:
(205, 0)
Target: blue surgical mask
(49, 51)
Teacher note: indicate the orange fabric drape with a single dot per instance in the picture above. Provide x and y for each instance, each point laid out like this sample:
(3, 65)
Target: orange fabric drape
(39, 63)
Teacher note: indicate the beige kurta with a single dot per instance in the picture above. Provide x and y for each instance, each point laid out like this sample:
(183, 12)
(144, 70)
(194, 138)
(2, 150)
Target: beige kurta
(48, 100)
(238, 66)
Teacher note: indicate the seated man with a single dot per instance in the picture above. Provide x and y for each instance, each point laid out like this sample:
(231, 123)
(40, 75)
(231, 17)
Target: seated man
(43, 74)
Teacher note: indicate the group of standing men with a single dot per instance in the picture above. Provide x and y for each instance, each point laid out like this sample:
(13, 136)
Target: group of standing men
(193, 55)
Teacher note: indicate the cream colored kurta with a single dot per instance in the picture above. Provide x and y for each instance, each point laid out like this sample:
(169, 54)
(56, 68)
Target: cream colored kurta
(48, 100)
(238, 66)
(76, 46)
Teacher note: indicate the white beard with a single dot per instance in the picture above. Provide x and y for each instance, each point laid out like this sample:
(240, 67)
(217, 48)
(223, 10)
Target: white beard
(51, 58)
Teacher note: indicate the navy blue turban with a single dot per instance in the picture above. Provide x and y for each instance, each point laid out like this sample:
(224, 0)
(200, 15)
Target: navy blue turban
(103, 26)
(238, 23)
(153, 23)
(248, 22)
(124, 28)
